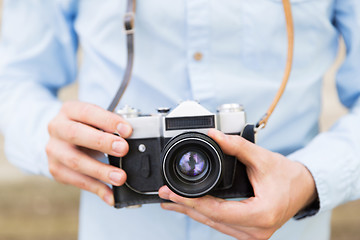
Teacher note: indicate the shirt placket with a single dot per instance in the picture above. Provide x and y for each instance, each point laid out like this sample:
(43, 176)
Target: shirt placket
(198, 52)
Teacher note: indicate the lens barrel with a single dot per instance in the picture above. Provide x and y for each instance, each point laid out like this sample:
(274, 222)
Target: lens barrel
(192, 164)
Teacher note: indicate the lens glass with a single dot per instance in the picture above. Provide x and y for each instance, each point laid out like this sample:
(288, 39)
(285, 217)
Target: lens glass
(192, 163)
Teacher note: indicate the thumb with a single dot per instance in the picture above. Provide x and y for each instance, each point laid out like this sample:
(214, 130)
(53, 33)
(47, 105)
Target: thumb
(234, 145)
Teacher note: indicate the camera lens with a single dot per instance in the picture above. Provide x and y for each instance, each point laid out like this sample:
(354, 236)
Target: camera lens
(192, 164)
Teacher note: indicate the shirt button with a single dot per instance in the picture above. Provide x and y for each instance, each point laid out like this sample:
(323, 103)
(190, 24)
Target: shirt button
(198, 56)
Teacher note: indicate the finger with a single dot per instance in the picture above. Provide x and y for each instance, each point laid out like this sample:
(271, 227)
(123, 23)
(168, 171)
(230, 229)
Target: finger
(98, 117)
(83, 135)
(247, 152)
(218, 210)
(197, 216)
(65, 175)
(235, 230)
(82, 163)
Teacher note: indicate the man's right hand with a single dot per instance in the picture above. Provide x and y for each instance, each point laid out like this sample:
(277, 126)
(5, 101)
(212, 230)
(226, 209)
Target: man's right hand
(75, 140)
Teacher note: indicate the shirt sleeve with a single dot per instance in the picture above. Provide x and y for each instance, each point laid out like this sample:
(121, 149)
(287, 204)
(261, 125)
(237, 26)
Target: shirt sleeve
(333, 157)
(38, 57)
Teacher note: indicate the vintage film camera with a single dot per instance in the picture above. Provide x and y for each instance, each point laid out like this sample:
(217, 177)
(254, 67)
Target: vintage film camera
(172, 148)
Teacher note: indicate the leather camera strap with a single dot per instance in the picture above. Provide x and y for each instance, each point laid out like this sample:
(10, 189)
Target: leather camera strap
(129, 24)
(290, 35)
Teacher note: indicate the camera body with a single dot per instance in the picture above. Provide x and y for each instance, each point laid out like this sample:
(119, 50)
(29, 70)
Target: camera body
(173, 149)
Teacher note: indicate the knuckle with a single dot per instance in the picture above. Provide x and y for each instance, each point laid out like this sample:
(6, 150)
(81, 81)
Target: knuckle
(112, 120)
(269, 221)
(210, 223)
(53, 169)
(217, 217)
(101, 142)
(83, 184)
(72, 131)
(100, 191)
(73, 162)
(60, 179)
(51, 127)
(49, 149)
(100, 173)
(263, 235)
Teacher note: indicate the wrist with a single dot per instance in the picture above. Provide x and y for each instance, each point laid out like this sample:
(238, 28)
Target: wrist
(306, 191)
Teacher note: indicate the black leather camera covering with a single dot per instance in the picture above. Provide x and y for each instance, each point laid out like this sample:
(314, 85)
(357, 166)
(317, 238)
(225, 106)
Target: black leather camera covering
(125, 196)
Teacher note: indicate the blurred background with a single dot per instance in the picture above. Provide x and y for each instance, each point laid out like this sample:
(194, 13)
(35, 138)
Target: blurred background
(36, 208)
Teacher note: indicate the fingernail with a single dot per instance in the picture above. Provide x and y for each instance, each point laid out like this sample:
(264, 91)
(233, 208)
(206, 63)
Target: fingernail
(116, 177)
(215, 133)
(124, 130)
(119, 147)
(212, 132)
(164, 193)
(109, 199)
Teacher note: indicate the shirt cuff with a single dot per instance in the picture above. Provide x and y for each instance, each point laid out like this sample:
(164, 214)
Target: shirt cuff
(331, 164)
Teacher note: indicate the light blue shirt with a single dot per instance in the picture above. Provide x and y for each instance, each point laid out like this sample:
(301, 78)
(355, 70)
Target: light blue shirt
(243, 46)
